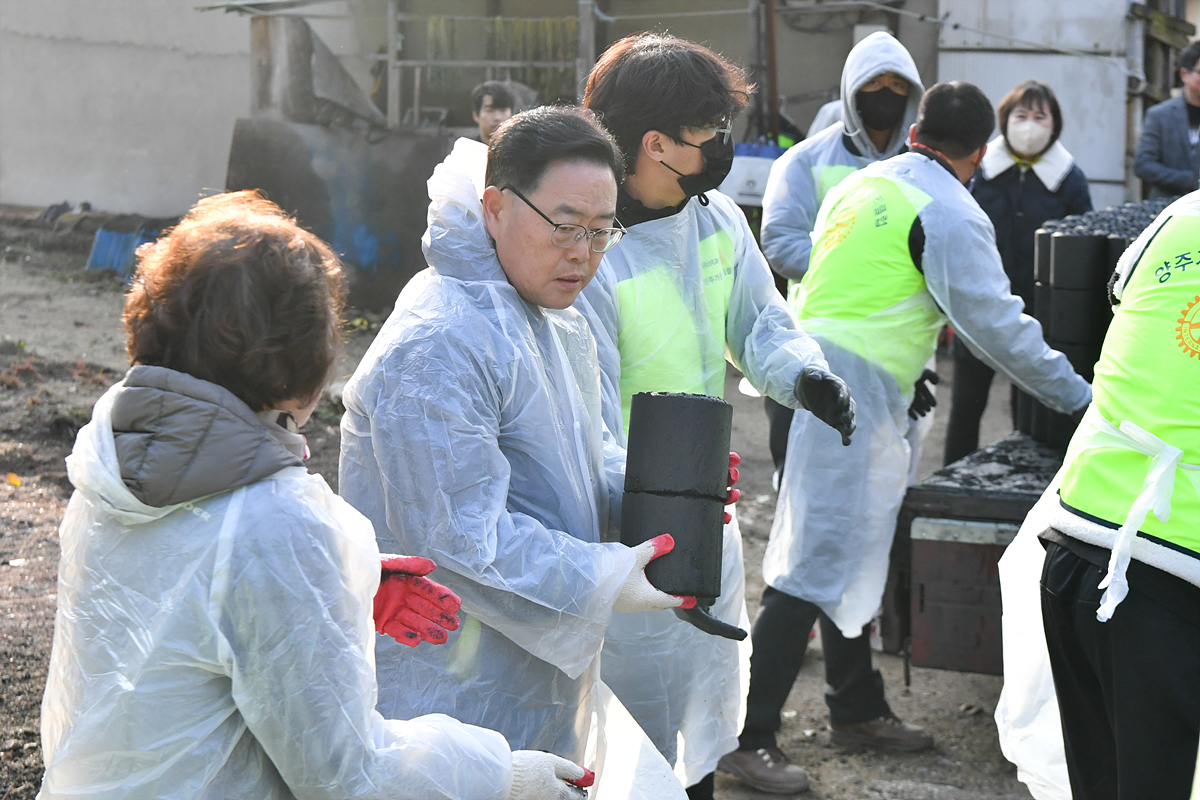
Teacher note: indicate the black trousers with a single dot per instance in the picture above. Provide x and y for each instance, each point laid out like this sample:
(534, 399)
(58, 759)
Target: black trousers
(780, 637)
(703, 788)
(1128, 689)
(968, 399)
(779, 422)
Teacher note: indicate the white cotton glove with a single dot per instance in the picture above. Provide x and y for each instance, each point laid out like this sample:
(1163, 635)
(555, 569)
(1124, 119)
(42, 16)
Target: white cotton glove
(545, 776)
(636, 593)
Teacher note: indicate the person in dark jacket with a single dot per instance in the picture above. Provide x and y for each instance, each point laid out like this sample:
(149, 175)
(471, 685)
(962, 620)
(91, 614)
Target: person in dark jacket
(1026, 178)
(1168, 156)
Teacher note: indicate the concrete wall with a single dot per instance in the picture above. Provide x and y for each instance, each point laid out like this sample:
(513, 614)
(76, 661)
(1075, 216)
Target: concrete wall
(128, 104)
(810, 51)
(1090, 90)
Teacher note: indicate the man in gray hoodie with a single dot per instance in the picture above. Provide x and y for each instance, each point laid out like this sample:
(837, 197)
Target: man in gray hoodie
(880, 93)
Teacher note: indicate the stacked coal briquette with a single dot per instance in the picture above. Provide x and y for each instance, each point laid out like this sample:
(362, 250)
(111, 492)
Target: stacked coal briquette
(1074, 258)
(676, 476)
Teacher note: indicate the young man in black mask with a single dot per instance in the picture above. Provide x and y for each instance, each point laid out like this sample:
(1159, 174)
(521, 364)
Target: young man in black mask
(687, 289)
(880, 92)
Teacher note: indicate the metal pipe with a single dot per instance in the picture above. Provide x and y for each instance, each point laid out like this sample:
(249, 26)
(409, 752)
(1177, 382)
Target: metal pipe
(587, 47)
(480, 62)
(772, 73)
(1135, 60)
(393, 68)
(417, 97)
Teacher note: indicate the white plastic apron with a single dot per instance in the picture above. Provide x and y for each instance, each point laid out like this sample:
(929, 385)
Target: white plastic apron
(836, 516)
(1027, 716)
(1095, 431)
(690, 692)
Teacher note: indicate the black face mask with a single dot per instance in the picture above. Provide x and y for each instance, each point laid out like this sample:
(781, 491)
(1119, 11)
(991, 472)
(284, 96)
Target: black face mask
(717, 153)
(882, 109)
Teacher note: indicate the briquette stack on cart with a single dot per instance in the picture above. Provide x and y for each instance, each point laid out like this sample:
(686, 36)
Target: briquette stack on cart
(1074, 259)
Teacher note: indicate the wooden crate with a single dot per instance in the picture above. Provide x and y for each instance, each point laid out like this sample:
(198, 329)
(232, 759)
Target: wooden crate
(956, 593)
(995, 485)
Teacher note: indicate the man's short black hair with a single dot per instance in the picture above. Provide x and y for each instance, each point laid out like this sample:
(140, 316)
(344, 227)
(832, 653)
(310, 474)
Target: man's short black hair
(651, 82)
(501, 96)
(955, 118)
(1189, 56)
(527, 145)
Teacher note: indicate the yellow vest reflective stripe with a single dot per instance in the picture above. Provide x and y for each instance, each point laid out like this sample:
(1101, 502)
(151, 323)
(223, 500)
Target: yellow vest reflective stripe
(1149, 376)
(862, 290)
(663, 349)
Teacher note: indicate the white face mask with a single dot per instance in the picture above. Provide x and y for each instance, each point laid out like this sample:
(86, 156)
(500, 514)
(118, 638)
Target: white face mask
(1027, 137)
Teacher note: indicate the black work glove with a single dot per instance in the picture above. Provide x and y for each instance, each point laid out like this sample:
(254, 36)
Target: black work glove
(828, 398)
(923, 398)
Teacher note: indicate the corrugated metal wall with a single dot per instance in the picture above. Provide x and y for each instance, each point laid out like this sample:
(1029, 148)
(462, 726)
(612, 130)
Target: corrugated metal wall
(1091, 90)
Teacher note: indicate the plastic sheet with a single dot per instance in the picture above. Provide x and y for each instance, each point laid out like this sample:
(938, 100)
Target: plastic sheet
(631, 767)
(686, 688)
(223, 648)
(473, 436)
(833, 530)
(1027, 717)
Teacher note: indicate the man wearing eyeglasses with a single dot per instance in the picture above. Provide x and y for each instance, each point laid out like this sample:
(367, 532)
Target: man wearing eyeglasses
(687, 289)
(472, 435)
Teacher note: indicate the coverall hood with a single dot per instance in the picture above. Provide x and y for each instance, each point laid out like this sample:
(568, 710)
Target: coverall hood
(456, 243)
(473, 435)
(161, 438)
(878, 53)
(223, 647)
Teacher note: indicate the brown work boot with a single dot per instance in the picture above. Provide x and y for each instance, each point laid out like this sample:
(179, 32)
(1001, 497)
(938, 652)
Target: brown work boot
(883, 733)
(766, 769)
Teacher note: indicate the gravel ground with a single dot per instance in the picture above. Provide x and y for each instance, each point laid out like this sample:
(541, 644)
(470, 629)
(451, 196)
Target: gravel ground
(47, 388)
(42, 405)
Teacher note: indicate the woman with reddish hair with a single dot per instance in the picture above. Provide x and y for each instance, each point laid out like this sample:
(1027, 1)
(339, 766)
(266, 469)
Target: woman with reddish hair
(214, 633)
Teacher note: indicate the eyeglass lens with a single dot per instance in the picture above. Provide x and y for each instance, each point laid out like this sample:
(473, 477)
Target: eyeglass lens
(567, 235)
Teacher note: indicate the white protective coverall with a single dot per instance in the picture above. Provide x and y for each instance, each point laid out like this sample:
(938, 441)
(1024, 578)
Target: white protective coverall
(668, 305)
(837, 507)
(221, 647)
(802, 176)
(473, 436)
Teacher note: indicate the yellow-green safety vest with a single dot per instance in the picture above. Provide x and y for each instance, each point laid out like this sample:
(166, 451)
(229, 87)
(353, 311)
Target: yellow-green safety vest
(1148, 383)
(862, 290)
(825, 177)
(663, 347)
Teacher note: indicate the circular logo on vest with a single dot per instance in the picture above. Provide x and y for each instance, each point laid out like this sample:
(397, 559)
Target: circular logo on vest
(839, 226)
(1189, 328)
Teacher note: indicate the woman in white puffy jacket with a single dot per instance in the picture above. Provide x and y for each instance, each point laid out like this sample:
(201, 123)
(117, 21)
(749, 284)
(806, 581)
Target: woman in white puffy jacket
(214, 635)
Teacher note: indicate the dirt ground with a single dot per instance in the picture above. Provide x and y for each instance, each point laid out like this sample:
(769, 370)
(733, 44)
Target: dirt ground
(61, 346)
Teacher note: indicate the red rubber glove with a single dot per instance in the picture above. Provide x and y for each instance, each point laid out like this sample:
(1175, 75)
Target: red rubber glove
(587, 780)
(637, 593)
(411, 608)
(732, 494)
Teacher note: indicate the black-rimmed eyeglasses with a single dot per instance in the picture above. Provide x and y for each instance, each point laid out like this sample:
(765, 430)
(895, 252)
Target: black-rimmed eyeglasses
(568, 234)
(723, 133)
